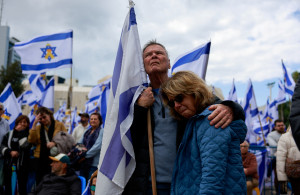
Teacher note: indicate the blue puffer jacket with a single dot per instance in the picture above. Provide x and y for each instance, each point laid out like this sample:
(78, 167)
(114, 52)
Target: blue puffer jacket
(209, 160)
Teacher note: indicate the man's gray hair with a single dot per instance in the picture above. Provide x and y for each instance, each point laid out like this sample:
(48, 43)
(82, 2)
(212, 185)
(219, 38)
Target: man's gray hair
(154, 42)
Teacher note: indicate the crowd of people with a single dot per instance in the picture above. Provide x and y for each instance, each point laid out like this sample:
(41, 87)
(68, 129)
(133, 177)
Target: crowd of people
(198, 142)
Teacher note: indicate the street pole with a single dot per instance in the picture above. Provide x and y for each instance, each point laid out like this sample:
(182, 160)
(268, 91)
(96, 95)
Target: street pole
(270, 86)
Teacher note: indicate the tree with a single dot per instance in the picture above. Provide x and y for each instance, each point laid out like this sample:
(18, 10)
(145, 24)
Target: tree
(13, 75)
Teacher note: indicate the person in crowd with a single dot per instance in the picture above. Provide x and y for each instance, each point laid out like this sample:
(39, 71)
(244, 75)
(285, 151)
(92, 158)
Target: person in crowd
(4, 128)
(208, 160)
(61, 180)
(272, 140)
(250, 167)
(295, 114)
(41, 136)
(93, 182)
(167, 132)
(92, 140)
(16, 152)
(82, 127)
(287, 151)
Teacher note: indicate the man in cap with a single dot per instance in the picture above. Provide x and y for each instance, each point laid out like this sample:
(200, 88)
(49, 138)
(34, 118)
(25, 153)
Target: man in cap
(61, 180)
(82, 127)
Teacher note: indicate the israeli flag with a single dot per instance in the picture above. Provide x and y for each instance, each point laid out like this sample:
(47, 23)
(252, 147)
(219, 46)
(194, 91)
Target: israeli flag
(45, 53)
(91, 105)
(117, 159)
(27, 98)
(61, 112)
(280, 99)
(48, 95)
(103, 100)
(38, 84)
(289, 83)
(73, 121)
(232, 93)
(12, 108)
(195, 60)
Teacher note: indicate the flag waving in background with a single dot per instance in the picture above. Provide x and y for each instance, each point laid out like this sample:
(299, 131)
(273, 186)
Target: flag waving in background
(12, 108)
(289, 83)
(117, 159)
(195, 60)
(44, 53)
(232, 93)
(48, 95)
(73, 121)
(61, 112)
(102, 101)
(37, 84)
(281, 93)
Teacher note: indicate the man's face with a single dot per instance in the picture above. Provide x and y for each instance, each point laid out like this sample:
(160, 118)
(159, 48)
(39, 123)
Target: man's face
(1, 111)
(279, 126)
(84, 119)
(56, 167)
(244, 147)
(156, 60)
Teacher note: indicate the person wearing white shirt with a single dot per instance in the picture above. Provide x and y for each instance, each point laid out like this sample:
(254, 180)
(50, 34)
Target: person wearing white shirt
(81, 128)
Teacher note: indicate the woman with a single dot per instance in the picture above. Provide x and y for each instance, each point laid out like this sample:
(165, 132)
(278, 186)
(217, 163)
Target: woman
(16, 152)
(92, 140)
(287, 149)
(208, 160)
(41, 135)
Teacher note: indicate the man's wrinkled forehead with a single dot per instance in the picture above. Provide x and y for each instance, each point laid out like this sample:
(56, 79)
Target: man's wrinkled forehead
(162, 48)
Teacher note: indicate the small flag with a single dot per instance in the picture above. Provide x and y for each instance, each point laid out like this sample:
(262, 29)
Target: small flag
(45, 53)
(37, 83)
(195, 60)
(12, 108)
(61, 112)
(289, 83)
(48, 95)
(232, 93)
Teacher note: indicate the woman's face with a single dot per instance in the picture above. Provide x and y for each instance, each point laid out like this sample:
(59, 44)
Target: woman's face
(93, 184)
(185, 105)
(45, 119)
(94, 121)
(22, 125)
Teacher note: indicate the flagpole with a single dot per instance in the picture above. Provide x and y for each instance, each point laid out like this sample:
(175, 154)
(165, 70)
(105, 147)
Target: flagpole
(151, 154)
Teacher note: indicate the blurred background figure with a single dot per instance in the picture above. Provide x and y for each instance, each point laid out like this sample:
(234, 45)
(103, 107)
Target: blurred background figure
(288, 163)
(250, 167)
(82, 127)
(41, 136)
(16, 152)
(92, 140)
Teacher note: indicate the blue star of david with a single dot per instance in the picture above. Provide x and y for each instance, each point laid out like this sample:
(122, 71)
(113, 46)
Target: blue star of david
(45, 54)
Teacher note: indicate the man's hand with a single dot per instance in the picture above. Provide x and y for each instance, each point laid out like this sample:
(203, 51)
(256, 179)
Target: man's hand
(221, 116)
(50, 144)
(14, 154)
(146, 98)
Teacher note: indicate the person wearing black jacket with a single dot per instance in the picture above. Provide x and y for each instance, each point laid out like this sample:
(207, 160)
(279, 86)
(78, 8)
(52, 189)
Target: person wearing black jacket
(295, 114)
(16, 151)
(167, 132)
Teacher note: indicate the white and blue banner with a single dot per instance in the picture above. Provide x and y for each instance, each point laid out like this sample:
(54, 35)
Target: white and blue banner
(195, 60)
(27, 98)
(289, 83)
(61, 112)
(91, 105)
(103, 100)
(12, 108)
(232, 93)
(117, 159)
(45, 53)
(48, 95)
(37, 84)
(280, 99)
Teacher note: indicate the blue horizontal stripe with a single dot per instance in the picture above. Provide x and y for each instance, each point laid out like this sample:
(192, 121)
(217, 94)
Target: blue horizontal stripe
(193, 56)
(41, 67)
(6, 94)
(54, 37)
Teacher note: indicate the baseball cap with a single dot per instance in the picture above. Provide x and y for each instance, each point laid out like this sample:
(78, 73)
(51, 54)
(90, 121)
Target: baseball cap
(61, 157)
(85, 115)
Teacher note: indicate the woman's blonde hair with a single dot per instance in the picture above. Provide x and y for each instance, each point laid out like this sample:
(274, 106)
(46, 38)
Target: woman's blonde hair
(187, 83)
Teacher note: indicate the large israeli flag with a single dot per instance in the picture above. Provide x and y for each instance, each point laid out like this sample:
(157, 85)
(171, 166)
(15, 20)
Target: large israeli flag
(45, 53)
(232, 93)
(117, 159)
(12, 108)
(289, 83)
(48, 95)
(195, 60)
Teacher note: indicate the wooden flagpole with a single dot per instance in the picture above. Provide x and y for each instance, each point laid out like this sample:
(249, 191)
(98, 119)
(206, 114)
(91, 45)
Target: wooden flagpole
(151, 153)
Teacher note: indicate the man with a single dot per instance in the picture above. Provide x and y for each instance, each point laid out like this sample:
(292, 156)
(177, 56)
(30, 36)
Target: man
(272, 140)
(4, 128)
(167, 132)
(295, 114)
(61, 180)
(250, 167)
(82, 127)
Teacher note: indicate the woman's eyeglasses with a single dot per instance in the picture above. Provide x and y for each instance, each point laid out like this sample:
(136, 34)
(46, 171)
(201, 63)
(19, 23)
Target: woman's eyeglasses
(178, 99)
(92, 187)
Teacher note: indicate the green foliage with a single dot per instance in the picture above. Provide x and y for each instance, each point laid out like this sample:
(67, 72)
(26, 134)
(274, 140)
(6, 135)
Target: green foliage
(13, 75)
(295, 76)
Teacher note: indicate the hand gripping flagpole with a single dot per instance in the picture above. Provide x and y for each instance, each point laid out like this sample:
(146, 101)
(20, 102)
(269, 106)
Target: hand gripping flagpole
(151, 154)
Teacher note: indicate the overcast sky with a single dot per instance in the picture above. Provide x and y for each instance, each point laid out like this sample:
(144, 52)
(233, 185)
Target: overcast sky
(249, 38)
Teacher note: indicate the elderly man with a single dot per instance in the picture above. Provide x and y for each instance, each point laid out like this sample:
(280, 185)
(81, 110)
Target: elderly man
(250, 167)
(4, 128)
(167, 132)
(82, 127)
(61, 180)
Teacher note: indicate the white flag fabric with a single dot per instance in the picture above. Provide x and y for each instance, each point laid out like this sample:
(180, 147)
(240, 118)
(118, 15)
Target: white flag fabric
(195, 60)
(103, 100)
(117, 159)
(45, 53)
(61, 112)
(281, 93)
(48, 95)
(289, 83)
(91, 105)
(12, 108)
(37, 84)
(232, 93)
(27, 98)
